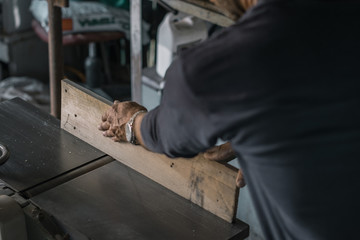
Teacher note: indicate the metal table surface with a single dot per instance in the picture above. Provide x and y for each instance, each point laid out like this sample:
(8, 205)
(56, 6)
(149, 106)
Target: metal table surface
(105, 201)
(39, 149)
(116, 202)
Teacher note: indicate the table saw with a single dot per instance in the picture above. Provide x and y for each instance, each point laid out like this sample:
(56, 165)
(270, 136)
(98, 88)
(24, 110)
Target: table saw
(55, 186)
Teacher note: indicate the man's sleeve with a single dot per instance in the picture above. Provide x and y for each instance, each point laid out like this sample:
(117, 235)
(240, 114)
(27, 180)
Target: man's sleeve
(180, 126)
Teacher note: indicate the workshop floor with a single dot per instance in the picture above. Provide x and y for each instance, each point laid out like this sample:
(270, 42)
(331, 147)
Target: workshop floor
(29, 89)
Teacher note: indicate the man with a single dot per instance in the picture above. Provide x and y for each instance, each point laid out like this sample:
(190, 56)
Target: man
(282, 86)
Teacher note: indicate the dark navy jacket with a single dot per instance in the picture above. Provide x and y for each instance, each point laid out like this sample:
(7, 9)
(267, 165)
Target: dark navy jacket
(283, 86)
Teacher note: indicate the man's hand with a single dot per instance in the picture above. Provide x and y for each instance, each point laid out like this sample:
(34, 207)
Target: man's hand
(246, 4)
(114, 120)
(223, 154)
(240, 181)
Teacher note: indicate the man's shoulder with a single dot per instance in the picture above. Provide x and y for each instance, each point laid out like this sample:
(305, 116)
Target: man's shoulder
(233, 48)
(236, 45)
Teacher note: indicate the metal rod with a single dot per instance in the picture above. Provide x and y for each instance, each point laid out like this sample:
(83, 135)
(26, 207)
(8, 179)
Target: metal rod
(56, 63)
(4, 153)
(167, 7)
(136, 50)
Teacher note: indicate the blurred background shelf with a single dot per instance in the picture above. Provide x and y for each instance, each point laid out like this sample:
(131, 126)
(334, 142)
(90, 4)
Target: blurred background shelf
(201, 9)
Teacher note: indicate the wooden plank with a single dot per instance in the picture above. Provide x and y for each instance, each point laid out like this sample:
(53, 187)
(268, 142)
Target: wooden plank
(207, 5)
(203, 11)
(210, 185)
(61, 3)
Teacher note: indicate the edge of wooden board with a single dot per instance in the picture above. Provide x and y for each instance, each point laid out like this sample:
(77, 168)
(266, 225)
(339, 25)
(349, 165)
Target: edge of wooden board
(203, 11)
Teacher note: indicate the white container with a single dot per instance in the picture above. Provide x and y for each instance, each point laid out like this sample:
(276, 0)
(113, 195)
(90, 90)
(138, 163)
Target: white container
(15, 16)
(177, 32)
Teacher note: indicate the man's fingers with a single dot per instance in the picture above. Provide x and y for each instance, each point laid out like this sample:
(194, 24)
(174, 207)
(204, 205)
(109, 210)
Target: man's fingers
(211, 154)
(105, 116)
(104, 126)
(240, 181)
(115, 139)
(249, 3)
(110, 119)
(222, 153)
(108, 133)
(115, 133)
(115, 106)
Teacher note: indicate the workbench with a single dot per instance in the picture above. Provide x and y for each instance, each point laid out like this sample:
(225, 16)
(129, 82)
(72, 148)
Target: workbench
(70, 190)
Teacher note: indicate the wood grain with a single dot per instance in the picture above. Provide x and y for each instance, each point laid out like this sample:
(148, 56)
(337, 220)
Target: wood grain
(61, 3)
(210, 6)
(210, 185)
(202, 10)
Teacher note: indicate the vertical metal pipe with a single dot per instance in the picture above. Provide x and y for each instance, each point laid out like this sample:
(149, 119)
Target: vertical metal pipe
(56, 62)
(136, 50)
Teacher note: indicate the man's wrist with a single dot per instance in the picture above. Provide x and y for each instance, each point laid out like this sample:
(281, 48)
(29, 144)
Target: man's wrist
(137, 128)
(130, 129)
